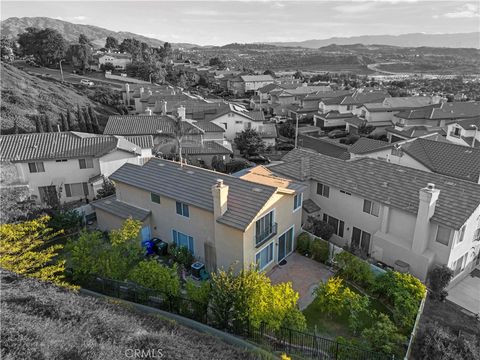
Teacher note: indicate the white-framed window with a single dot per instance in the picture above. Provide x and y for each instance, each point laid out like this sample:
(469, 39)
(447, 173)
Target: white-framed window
(443, 235)
(86, 163)
(76, 189)
(265, 228)
(371, 207)
(461, 234)
(182, 209)
(323, 190)
(459, 265)
(155, 198)
(297, 201)
(338, 225)
(456, 131)
(183, 240)
(345, 192)
(61, 160)
(36, 167)
(264, 257)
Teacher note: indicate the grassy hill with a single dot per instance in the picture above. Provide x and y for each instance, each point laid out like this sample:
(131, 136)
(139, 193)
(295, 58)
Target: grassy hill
(41, 321)
(24, 96)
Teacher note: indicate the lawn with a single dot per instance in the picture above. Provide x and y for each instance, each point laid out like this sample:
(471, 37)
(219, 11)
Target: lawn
(332, 326)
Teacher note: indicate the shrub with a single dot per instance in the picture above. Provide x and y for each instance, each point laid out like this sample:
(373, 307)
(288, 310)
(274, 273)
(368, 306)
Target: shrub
(69, 221)
(182, 256)
(83, 254)
(355, 269)
(303, 243)
(320, 228)
(152, 275)
(320, 250)
(384, 336)
(439, 278)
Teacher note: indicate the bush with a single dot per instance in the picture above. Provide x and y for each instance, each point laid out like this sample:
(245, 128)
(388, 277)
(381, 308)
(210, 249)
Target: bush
(355, 269)
(303, 243)
(320, 250)
(69, 221)
(152, 275)
(182, 256)
(83, 254)
(384, 336)
(439, 278)
(320, 228)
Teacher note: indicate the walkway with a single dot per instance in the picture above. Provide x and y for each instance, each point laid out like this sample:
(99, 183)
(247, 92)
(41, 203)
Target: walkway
(467, 292)
(303, 273)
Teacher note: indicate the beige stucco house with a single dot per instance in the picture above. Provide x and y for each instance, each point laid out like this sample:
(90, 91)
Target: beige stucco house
(221, 219)
(407, 218)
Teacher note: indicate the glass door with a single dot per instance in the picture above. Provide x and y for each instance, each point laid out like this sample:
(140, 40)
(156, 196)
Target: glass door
(285, 244)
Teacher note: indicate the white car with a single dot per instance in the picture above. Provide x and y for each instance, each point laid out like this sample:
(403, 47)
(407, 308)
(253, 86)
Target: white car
(87, 82)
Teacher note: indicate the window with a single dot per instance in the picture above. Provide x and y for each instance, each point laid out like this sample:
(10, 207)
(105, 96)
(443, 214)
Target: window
(345, 192)
(155, 198)
(338, 225)
(361, 240)
(76, 189)
(461, 235)
(86, 163)
(443, 235)
(238, 122)
(61, 160)
(323, 190)
(264, 228)
(456, 131)
(182, 240)
(225, 125)
(182, 209)
(297, 201)
(36, 167)
(265, 256)
(371, 207)
(459, 265)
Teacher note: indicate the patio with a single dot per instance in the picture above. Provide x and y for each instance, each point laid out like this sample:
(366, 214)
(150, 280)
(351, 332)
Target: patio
(303, 273)
(467, 292)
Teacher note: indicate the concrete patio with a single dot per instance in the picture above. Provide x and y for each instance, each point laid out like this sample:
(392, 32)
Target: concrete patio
(467, 293)
(303, 273)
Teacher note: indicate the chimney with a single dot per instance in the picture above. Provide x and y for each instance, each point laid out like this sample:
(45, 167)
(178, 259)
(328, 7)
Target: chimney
(428, 197)
(142, 93)
(182, 113)
(220, 196)
(304, 168)
(148, 111)
(163, 109)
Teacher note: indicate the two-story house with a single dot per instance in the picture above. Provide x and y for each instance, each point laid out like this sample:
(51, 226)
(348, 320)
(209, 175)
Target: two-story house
(221, 219)
(69, 166)
(407, 218)
(118, 60)
(465, 132)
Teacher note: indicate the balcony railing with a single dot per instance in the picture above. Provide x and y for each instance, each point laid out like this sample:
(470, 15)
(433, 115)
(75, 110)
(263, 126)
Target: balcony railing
(263, 237)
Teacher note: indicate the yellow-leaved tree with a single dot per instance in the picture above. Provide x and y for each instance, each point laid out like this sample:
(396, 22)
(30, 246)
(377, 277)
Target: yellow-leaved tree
(24, 250)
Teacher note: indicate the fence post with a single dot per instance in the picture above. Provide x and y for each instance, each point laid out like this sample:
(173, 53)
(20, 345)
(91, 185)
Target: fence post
(289, 340)
(336, 351)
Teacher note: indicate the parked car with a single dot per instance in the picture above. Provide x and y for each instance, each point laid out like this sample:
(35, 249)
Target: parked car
(335, 134)
(87, 82)
(258, 159)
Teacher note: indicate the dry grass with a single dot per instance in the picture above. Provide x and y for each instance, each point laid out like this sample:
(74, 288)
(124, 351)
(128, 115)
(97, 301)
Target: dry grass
(40, 321)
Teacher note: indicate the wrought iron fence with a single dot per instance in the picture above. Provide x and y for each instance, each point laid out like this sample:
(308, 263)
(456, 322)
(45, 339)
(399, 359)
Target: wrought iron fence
(290, 341)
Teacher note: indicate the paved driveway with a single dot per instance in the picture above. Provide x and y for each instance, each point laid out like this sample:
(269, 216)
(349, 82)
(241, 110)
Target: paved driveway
(303, 273)
(467, 292)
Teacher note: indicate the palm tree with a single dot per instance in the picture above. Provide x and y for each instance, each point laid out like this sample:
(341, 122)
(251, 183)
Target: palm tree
(180, 129)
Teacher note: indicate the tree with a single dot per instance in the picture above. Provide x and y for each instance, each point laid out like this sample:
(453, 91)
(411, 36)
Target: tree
(269, 72)
(384, 336)
(7, 48)
(24, 250)
(94, 120)
(88, 120)
(48, 123)
(64, 122)
(70, 123)
(215, 61)
(249, 142)
(287, 129)
(298, 75)
(180, 130)
(111, 43)
(46, 45)
(81, 120)
(133, 47)
(152, 275)
(130, 230)
(439, 278)
(38, 124)
(15, 126)
(84, 252)
(80, 55)
(83, 40)
(107, 189)
(108, 66)
(320, 228)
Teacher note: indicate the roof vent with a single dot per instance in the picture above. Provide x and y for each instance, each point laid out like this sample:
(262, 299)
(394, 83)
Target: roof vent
(219, 182)
(108, 202)
(431, 186)
(385, 184)
(161, 164)
(451, 183)
(401, 170)
(190, 172)
(256, 189)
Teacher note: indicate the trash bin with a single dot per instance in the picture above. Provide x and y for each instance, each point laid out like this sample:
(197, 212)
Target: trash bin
(161, 247)
(196, 268)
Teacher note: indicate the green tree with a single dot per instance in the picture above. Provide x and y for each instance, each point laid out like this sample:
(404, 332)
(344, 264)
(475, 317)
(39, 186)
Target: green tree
(384, 336)
(64, 122)
(269, 72)
(107, 189)
(88, 120)
(48, 123)
(81, 120)
(249, 142)
(47, 45)
(439, 278)
(129, 231)
(94, 120)
(152, 275)
(180, 130)
(70, 122)
(133, 47)
(320, 228)
(354, 269)
(83, 40)
(80, 55)
(108, 66)
(24, 250)
(287, 129)
(84, 252)
(38, 124)
(111, 43)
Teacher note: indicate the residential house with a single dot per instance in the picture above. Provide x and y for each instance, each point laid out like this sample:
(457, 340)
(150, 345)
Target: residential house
(221, 219)
(252, 83)
(118, 60)
(324, 146)
(407, 218)
(425, 153)
(465, 132)
(63, 167)
(349, 102)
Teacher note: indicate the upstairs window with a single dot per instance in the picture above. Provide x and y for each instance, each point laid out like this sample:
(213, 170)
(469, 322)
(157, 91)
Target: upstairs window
(371, 207)
(443, 235)
(323, 190)
(182, 209)
(461, 234)
(456, 131)
(86, 163)
(155, 198)
(297, 201)
(36, 167)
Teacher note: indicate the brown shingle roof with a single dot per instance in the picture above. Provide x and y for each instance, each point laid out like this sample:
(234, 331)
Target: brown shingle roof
(389, 184)
(144, 125)
(365, 145)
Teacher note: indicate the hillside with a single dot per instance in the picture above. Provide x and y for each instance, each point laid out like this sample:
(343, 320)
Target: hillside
(11, 27)
(41, 321)
(461, 40)
(24, 96)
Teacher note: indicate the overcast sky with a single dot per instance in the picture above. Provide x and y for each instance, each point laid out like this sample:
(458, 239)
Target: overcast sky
(222, 22)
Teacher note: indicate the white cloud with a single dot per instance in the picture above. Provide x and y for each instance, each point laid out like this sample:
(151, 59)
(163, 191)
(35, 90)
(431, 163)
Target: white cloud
(79, 18)
(466, 11)
(355, 8)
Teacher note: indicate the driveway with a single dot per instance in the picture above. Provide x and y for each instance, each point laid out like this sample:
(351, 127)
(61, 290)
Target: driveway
(303, 273)
(467, 292)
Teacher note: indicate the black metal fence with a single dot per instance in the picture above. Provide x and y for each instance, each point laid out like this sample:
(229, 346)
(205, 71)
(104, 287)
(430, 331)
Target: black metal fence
(290, 341)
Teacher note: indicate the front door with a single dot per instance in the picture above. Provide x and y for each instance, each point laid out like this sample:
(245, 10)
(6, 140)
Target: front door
(356, 237)
(146, 233)
(285, 244)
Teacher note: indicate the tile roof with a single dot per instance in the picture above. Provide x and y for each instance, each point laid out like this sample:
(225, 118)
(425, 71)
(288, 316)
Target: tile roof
(324, 146)
(209, 126)
(446, 110)
(45, 146)
(445, 158)
(467, 123)
(144, 125)
(144, 141)
(193, 186)
(365, 145)
(389, 184)
(416, 131)
(206, 148)
(356, 121)
(268, 88)
(358, 98)
(116, 207)
(319, 95)
(256, 78)
(400, 103)
(256, 115)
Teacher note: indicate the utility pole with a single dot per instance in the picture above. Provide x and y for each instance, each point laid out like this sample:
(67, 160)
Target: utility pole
(61, 70)
(296, 130)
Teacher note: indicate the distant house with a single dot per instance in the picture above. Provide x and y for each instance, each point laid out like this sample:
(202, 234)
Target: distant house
(120, 61)
(251, 83)
(221, 219)
(333, 119)
(349, 102)
(465, 132)
(69, 166)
